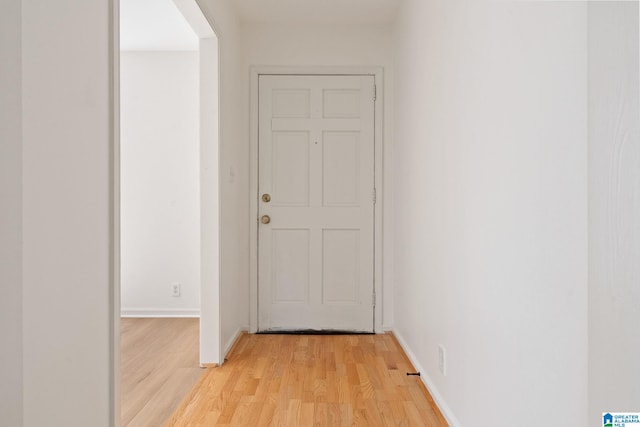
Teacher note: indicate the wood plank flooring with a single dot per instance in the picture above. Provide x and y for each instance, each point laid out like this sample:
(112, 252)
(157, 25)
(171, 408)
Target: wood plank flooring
(310, 380)
(159, 366)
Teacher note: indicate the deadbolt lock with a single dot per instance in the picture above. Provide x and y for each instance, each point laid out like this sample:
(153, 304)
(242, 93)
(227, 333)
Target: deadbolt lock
(265, 219)
(266, 198)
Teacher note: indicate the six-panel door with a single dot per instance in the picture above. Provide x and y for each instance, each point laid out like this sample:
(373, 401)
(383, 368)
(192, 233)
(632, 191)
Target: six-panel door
(316, 168)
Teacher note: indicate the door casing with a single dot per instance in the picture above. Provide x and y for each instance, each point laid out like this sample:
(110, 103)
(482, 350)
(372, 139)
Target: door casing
(377, 73)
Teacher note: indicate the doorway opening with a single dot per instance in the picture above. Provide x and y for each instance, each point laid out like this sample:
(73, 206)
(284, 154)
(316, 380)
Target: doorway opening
(168, 175)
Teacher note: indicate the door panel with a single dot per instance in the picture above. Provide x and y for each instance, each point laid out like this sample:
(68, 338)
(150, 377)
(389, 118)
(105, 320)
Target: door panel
(341, 169)
(290, 171)
(341, 103)
(316, 162)
(340, 269)
(290, 103)
(290, 266)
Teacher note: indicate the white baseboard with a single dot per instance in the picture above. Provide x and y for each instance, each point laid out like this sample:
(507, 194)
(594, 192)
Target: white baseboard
(159, 312)
(233, 339)
(437, 397)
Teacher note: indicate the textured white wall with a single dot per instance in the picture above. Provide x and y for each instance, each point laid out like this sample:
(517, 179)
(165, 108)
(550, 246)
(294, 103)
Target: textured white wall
(160, 181)
(332, 46)
(490, 161)
(10, 216)
(67, 213)
(614, 209)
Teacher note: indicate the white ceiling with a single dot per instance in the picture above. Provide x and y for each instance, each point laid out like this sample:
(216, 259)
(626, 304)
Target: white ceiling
(354, 12)
(154, 25)
(159, 25)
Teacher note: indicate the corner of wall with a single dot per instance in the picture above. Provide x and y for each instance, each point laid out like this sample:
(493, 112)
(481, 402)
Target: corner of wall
(614, 207)
(428, 383)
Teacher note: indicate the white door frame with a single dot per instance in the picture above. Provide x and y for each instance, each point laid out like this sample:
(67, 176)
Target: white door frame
(377, 73)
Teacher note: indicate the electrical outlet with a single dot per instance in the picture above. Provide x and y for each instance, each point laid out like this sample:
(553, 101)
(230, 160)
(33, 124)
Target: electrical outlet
(442, 360)
(175, 289)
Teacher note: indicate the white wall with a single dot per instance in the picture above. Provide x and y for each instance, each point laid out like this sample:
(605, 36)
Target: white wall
(490, 161)
(68, 217)
(614, 208)
(10, 216)
(316, 45)
(233, 178)
(209, 202)
(160, 174)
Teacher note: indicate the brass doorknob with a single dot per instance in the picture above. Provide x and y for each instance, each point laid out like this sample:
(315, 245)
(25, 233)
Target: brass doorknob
(265, 219)
(266, 198)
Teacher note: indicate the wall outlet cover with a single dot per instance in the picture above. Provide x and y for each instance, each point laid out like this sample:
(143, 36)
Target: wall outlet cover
(175, 289)
(442, 360)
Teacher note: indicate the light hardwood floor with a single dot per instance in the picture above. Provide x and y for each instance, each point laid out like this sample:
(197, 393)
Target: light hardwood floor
(159, 367)
(305, 380)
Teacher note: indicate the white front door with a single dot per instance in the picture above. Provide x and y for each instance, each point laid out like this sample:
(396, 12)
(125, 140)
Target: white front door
(316, 186)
